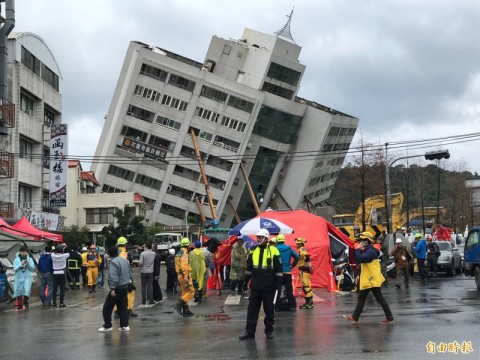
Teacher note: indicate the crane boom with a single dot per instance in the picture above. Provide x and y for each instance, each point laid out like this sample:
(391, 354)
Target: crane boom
(204, 176)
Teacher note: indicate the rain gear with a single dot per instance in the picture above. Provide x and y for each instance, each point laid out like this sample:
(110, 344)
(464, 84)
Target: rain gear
(303, 266)
(93, 260)
(23, 275)
(197, 262)
(239, 262)
(184, 275)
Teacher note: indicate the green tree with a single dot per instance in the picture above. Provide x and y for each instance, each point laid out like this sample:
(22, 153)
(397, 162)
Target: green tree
(75, 236)
(128, 225)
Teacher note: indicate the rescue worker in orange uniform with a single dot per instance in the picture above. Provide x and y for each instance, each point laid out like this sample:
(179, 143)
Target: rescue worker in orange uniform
(122, 249)
(184, 276)
(304, 266)
(93, 260)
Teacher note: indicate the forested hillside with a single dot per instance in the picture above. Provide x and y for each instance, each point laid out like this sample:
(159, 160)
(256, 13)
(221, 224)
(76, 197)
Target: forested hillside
(417, 183)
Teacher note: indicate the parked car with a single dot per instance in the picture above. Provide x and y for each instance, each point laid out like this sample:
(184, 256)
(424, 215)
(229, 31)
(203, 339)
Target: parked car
(449, 259)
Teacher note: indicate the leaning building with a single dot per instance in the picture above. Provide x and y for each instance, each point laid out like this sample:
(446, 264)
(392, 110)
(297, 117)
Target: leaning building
(242, 106)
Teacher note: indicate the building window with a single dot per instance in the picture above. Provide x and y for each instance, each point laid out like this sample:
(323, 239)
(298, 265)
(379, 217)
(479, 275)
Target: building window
(134, 134)
(277, 90)
(120, 172)
(172, 211)
(213, 94)
(180, 192)
(205, 135)
(181, 82)
(26, 104)
(163, 121)
(161, 143)
(25, 193)
(48, 117)
(172, 102)
(227, 49)
(277, 125)
(99, 216)
(219, 163)
(226, 143)
(240, 104)
(46, 157)
(148, 181)
(110, 189)
(30, 61)
(147, 93)
(50, 77)
(26, 149)
(283, 74)
(153, 72)
(45, 199)
(140, 113)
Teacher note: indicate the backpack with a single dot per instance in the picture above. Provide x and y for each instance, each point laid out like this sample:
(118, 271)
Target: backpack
(45, 263)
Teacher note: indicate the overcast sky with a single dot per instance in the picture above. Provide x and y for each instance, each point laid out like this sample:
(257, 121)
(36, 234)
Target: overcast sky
(408, 69)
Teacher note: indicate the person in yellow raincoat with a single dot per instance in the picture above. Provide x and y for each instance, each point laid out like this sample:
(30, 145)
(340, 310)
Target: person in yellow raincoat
(122, 248)
(196, 257)
(93, 260)
(184, 276)
(304, 266)
(371, 279)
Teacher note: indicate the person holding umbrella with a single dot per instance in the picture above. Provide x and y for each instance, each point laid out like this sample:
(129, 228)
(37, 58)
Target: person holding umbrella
(264, 269)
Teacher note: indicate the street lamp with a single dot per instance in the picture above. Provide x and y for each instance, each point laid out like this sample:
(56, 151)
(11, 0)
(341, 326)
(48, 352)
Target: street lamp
(431, 155)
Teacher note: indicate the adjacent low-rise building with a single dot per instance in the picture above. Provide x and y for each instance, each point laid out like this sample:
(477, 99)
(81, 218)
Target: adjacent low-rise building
(86, 207)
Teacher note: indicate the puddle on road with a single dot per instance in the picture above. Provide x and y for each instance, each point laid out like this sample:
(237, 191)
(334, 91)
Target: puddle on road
(214, 317)
(439, 312)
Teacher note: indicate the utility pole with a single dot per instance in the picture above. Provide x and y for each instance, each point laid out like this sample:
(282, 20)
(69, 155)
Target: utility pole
(432, 155)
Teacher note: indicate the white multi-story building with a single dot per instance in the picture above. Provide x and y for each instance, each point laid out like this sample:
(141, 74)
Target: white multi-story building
(35, 88)
(242, 105)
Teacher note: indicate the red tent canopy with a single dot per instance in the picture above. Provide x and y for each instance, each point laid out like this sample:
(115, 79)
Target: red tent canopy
(27, 229)
(315, 229)
(5, 227)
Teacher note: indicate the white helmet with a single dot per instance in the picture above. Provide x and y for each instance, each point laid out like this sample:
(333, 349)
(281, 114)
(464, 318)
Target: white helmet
(263, 232)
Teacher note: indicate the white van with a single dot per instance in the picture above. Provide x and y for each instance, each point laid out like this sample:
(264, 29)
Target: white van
(166, 241)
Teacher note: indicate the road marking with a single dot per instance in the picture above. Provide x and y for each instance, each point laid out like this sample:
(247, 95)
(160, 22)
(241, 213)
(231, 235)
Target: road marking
(233, 300)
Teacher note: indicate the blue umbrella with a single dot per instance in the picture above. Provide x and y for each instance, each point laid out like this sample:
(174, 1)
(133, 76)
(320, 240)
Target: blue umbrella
(250, 227)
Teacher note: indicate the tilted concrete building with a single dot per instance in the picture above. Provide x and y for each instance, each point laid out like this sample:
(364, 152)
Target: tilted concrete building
(242, 104)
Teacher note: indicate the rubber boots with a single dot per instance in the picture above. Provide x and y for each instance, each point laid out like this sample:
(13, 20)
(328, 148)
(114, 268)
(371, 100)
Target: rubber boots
(186, 311)
(179, 307)
(308, 303)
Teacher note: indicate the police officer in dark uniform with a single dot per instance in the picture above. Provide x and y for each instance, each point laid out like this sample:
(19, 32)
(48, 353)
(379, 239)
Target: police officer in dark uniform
(264, 269)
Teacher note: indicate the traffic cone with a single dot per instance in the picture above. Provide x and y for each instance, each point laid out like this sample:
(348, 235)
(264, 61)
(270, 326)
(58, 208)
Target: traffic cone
(332, 285)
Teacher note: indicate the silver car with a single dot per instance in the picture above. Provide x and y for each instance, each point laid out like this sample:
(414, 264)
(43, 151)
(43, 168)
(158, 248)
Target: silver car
(449, 259)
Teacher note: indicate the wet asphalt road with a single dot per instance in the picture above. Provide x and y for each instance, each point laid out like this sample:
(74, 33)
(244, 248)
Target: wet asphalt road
(443, 310)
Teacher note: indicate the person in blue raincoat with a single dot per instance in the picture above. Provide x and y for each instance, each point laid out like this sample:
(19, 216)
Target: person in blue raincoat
(23, 267)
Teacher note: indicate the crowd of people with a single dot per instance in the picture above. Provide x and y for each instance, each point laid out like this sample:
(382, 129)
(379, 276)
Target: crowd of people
(264, 268)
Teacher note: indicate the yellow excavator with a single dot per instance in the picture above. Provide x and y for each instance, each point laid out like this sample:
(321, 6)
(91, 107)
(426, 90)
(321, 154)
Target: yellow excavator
(376, 216)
